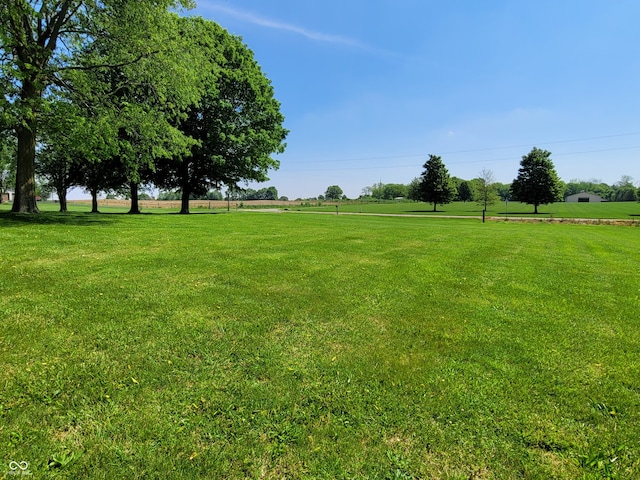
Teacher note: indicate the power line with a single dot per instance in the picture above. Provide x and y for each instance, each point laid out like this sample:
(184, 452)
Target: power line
(545, 143)
(461, 162)
(454, 152)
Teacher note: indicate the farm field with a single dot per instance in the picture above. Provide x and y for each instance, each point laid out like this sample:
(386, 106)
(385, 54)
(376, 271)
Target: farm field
(249, 345)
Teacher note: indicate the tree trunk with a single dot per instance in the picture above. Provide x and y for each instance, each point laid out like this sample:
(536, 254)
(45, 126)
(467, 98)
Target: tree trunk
(435, 205)
(62, 198)
(135, 205)
(186, 191)
(25, 194)
(535, 208)
(184, 209)
(94, 201)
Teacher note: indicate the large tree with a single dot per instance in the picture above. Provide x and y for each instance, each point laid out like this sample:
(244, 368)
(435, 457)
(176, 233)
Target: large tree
(105, 175)
(56, 168)
(39, 40)
(537, 182)
(236, 124)
(334, 192)
(60, 148)
(435, 184)
(138, 105)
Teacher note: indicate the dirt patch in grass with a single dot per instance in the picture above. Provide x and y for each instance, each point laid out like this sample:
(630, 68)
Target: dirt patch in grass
(577, 221)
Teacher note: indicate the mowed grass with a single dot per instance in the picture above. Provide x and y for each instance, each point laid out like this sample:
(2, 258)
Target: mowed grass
(604, 210)
(628, 211)
(258, 345)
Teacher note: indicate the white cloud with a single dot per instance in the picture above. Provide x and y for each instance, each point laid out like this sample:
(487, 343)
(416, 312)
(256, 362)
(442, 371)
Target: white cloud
(286, 27)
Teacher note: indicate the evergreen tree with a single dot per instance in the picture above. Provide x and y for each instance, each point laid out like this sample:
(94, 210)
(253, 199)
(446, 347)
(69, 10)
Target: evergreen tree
(435, 185)
(464, 192)
(537, 182)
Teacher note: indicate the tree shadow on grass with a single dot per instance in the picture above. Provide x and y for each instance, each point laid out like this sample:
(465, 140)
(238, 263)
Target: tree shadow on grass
(10, 219)
(426, 211)
(190, 213)
(451, 213)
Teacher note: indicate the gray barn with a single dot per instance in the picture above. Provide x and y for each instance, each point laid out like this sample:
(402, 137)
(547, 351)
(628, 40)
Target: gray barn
(584, 197)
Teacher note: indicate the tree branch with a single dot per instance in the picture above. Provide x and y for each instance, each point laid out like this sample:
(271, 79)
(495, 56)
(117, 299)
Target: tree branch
(49, 37)
(110, 65)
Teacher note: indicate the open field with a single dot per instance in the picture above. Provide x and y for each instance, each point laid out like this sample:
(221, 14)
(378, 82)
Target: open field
(605, 210)
(317, 346)
(629, 211)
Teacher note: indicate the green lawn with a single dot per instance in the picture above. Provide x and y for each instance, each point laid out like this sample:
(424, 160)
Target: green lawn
(255, 345)
(605, 210)
(618, 210)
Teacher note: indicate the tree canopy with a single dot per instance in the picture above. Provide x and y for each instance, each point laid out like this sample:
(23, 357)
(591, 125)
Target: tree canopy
(236, 124)
(334, 192)
(537, 182)
(146, 95)
(40, 44)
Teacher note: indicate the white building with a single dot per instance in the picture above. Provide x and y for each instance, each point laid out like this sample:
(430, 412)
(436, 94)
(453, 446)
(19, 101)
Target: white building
(6, 196)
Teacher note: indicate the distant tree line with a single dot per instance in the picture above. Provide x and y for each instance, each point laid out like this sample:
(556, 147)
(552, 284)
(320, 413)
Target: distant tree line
(622, 191)
(537, 184)
(177, 195)
(269, 193)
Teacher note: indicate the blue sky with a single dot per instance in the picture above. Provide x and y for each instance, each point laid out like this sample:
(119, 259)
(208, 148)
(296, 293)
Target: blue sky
(370, 88)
